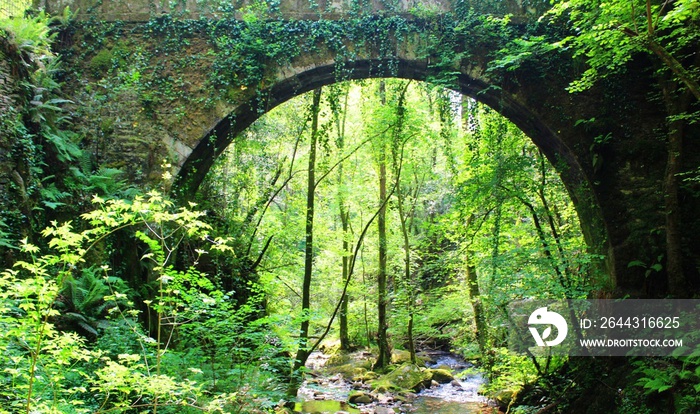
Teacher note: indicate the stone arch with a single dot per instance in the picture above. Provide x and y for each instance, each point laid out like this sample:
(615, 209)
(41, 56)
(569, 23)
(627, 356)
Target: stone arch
(194, 169)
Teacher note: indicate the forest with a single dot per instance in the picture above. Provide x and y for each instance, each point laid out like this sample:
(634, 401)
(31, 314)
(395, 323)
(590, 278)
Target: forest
(355, 249)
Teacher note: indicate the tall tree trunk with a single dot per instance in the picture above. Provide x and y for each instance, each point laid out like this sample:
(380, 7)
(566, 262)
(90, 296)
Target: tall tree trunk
(407, 272)
(344, 220)
(675, 105)
(404, 216)
(384, 357)
(303, 351)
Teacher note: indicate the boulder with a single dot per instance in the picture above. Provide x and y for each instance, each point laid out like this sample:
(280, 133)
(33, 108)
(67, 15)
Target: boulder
(365, 376)
(442, 376)
(359, 397)
(404, 377)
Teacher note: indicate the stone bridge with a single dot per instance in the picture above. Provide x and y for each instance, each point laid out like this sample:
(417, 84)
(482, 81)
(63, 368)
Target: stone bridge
(181, 79)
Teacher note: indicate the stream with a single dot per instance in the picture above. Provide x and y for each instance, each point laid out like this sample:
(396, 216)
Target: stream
(329, 394)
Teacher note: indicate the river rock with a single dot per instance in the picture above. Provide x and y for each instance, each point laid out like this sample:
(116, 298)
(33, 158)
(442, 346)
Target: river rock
(365, 376)
(434, 383)
(359, 397)
(442, 376)
(456, 384)
(404, 377)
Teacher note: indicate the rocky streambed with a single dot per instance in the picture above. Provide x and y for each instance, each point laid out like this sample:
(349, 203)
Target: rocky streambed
(343, 383)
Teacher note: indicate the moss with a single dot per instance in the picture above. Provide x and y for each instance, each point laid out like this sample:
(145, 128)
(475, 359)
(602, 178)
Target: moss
(400, 356)
(338, 358)
(101, 62)
(346, 370)
(442, 376)
(404, 377)
(359, 397)
(365, 376)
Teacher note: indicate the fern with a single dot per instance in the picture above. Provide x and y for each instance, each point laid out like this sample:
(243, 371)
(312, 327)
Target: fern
(31, 37)
(62, 141)
(5, 240)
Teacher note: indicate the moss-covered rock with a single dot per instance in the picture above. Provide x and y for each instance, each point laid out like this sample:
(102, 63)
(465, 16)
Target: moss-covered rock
(347, 370)
(101, 62)
(400, 356)
(441, 376)
(359, 397)
(404, 377)
(366, 376)
(329, 346)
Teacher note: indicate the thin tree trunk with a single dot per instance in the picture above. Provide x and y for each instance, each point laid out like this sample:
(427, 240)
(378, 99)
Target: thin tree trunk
(384, 357)
(344, 220)
(404, 217)
(303, 351)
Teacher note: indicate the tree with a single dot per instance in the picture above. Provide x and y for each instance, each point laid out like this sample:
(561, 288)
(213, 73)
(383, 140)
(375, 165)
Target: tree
(405, 217)
(384, 357)
(303, 351)
(340, 117)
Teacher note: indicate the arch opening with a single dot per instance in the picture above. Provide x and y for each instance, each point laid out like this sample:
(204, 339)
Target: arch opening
(431, 266)
(593, 225)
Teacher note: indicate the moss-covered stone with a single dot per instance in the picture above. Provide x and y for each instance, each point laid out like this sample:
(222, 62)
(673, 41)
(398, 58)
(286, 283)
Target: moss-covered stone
(101, 62)
(404, 377)
(338, 358)
(365, 376)
(399, 356)
(441, 376)
(359, 397)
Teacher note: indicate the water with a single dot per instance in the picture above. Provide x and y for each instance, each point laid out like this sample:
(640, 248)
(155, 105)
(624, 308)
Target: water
(328, 394)
(458, 397)
(432, 405)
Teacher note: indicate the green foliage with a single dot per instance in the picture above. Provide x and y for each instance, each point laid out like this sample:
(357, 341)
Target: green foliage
(609, 35)
(677, 380)
(509, 372)
(50, 370)
(101, 62)
(30, 37)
